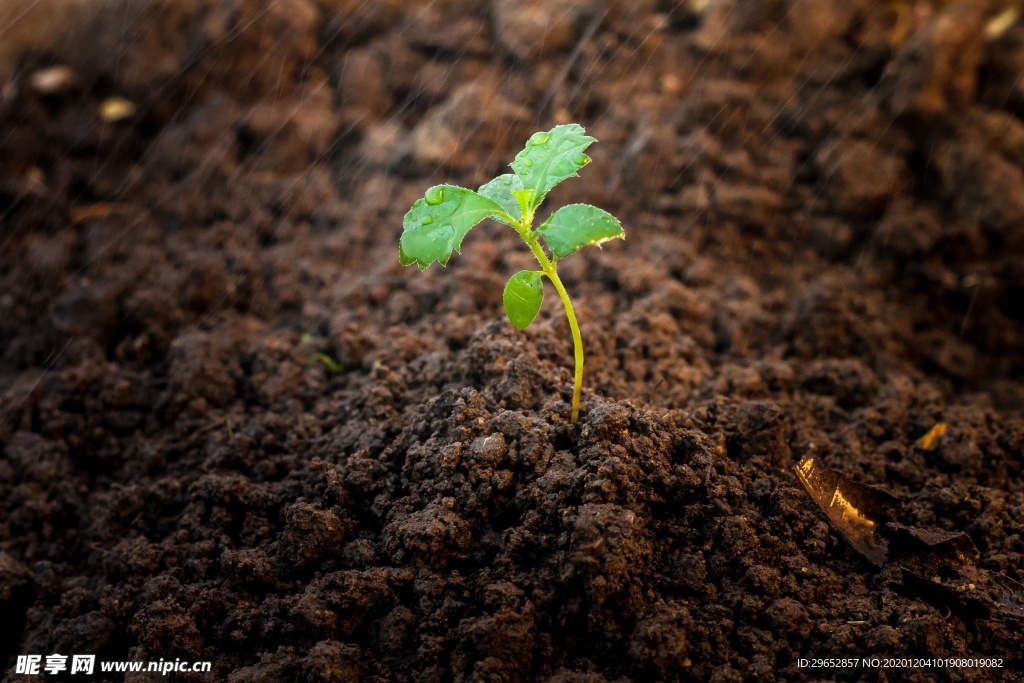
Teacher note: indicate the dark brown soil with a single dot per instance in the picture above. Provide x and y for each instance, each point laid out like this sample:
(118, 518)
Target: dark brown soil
(824, 203)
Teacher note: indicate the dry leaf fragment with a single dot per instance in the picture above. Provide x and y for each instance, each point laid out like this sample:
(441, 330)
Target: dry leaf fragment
(1002, 22)
(114, 109)
(938, 547)
(856, 510)
(939, 567)
(930, 441)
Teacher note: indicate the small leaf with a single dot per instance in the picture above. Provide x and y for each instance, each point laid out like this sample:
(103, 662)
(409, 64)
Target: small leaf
(436, 224)
(524, 198)
(523, 296)
(551, 157)
(579, 225)
(502, 190)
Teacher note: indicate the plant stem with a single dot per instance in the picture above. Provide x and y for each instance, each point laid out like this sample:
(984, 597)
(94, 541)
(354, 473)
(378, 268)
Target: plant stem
(577, 342)
(548, 266)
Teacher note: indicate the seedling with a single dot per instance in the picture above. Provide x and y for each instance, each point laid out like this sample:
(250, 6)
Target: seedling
(436, 225)
(333, 366)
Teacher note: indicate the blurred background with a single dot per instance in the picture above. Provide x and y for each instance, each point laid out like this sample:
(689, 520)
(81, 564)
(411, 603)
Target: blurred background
(877, 137)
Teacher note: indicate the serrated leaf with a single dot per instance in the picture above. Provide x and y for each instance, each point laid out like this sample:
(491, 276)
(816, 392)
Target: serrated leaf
(502, 190)
(523, 297)
(436, 224)
(579, 225)
(551, 157)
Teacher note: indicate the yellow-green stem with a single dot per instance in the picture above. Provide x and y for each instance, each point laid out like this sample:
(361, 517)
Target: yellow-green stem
(577, 342)
(548, 266)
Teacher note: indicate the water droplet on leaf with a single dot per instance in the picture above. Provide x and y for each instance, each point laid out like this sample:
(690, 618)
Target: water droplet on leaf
(540, 139)
(427, 220)
(581, 159)
(434, 196)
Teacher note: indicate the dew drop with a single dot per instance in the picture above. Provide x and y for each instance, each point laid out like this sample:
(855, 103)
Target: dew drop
(434, 196)
(540, 139)
(527, 163)
(580, 159)
(427, 220)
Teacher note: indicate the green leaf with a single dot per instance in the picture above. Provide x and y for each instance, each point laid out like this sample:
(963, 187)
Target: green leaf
(502, 190)
(523, 296)
(578, 225)
(524, 198)
(551, 157)
(436, 224)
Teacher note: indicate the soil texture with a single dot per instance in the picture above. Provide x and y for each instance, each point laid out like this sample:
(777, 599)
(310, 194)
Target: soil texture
(824, 207)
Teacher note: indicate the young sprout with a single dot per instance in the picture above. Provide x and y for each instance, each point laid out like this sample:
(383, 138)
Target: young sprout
(333, 366)
(436, 225)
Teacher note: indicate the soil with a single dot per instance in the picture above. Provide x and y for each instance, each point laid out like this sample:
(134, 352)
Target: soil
(824, 203)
